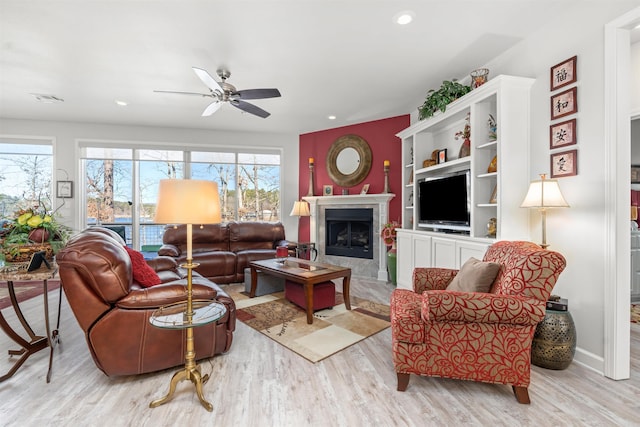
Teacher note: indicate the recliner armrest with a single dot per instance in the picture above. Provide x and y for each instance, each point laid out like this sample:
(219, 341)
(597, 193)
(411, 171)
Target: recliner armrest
(164, 294)
(426, 279)
(478, 307)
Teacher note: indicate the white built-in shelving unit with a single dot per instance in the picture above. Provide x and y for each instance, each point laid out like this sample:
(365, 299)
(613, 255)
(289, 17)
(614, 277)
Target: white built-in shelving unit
(507, 100)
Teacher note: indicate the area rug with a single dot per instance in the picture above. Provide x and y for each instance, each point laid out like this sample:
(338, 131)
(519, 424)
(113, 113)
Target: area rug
(25, 290)
(635, 313)
(332, 330)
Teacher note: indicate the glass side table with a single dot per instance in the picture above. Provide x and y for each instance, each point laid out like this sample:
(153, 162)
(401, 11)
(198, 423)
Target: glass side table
(178, 316)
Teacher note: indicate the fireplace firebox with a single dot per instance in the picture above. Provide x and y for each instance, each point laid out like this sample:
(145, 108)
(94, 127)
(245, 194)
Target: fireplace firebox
(349, 232)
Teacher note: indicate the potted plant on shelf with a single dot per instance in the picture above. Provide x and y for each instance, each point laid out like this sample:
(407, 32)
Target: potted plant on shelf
(449, 91)
(29, 231)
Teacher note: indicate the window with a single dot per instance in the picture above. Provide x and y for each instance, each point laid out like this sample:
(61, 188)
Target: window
(249, 183)
(26, 167)
(122, 184)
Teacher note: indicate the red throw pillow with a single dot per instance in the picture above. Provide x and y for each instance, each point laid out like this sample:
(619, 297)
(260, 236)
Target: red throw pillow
(142, 272)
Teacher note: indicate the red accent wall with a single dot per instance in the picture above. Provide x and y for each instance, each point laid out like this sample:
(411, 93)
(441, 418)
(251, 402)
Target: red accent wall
(385, 145)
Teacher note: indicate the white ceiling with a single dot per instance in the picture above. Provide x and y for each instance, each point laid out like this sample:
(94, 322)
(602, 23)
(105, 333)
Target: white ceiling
(342, 57)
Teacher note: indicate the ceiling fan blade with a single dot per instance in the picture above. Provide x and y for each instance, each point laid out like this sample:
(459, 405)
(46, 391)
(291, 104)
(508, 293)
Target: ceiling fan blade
(211, 108)
(257, 93)
(182, 93)
(250, 108)
(208, 80)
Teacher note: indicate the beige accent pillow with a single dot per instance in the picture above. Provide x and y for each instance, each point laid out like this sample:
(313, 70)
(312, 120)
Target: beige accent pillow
(475, 276)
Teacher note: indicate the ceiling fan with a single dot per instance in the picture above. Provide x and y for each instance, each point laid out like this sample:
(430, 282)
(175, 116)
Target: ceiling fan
(221, 92)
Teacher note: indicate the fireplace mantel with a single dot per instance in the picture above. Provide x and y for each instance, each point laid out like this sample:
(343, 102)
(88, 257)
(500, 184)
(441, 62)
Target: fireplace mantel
(380, 203)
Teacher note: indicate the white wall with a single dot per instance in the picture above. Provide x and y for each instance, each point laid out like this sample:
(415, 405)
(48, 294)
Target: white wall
(578, 232)
(67, 161)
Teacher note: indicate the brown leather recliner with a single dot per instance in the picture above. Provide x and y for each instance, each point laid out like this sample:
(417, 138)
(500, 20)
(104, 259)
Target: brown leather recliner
(113, 310)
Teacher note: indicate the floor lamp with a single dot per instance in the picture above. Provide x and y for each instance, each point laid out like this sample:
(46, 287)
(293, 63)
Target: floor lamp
(544, 194)
(182, 201)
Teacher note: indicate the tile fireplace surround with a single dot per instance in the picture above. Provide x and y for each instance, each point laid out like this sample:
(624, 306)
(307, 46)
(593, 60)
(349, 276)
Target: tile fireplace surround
(373, 268)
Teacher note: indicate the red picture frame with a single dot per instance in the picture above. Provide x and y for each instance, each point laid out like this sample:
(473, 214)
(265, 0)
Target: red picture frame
(564, 164)
(562, 134)
(564, 73)
(564, 103)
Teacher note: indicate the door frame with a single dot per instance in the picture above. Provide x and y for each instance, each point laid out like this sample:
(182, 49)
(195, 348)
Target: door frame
(617, 135)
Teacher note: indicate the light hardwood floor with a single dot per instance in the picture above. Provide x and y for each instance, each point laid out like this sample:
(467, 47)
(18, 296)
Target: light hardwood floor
(260, 383)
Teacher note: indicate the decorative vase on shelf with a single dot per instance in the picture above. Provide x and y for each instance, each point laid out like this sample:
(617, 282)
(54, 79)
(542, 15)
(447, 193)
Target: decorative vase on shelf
(391, 263)
(465, 148)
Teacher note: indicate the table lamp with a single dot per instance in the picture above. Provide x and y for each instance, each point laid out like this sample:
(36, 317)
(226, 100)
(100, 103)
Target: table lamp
(300, 208)
(544, 194)
(187, 201)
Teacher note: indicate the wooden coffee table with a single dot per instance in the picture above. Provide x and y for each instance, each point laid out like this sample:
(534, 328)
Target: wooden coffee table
(307, 273)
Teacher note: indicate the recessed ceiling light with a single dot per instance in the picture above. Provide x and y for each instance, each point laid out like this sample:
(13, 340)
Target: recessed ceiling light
(122, 103)
(47, 99)
(331, 117)
(404, 17)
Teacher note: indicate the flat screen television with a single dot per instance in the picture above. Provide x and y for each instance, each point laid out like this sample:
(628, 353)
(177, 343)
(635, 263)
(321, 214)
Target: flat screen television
(444, 201)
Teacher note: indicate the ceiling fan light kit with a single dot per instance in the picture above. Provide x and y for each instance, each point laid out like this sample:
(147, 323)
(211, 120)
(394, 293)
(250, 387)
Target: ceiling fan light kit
(221, 92)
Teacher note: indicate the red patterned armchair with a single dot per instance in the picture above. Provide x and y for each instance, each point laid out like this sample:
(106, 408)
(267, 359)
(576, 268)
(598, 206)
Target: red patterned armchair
(479, 336)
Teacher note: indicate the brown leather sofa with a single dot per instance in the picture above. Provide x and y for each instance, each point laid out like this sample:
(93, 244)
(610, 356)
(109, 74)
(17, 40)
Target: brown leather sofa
(113, 310)
(224, 250)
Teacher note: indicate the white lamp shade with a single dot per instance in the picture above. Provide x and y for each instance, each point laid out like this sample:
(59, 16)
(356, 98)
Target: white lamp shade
(544, 193)
(300, 208)
(187, 201)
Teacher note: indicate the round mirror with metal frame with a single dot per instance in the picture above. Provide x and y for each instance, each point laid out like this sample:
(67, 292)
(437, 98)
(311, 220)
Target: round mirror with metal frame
(349, 160)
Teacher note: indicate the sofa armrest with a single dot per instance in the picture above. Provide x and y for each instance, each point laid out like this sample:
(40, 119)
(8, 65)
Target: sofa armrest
(164, 294)
(162, 263)
(169, 250)
(478, 307)
(427, 279)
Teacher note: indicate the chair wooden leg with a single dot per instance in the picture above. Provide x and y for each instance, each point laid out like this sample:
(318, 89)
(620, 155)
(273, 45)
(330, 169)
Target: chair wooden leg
(522, 394)
(403, 381)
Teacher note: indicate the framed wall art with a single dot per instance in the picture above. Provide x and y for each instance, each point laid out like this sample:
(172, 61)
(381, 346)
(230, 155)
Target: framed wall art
(635, 174)
(564, 164)
(564, 103)
(564, 73)
(327, 190)
(562, 134)
(442, 156)
(64, 189)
